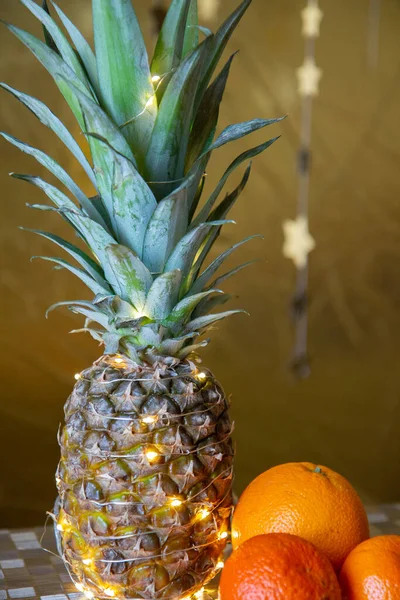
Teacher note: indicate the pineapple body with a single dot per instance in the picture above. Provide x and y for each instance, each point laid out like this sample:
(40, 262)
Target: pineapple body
(145, 478)
(145, 474)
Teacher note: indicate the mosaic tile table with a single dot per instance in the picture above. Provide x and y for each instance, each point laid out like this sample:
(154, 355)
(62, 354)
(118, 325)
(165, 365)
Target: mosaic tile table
(27, 571)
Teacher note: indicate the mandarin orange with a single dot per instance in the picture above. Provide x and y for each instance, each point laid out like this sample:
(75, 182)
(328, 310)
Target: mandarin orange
(307, 500)
(372, 570)
(278, 566)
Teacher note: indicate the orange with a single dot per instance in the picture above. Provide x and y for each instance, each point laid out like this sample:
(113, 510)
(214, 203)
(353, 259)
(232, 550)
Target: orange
(304, 499)
(372, 570)
(278, 566)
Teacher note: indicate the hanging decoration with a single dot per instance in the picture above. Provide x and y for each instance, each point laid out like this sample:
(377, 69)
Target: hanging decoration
(298, 242)
(374, 18)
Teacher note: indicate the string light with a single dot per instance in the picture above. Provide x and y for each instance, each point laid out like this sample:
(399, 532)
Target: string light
(151, 455)
(203, 514)
(77, 376)
(62, 526)
(235, 535)
(155, 79)
(150, 419)
(88, 564)
(175, 502)
(150, 101)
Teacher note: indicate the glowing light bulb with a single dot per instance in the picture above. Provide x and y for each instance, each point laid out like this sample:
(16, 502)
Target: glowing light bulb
(89, 594)
(156, 78)
(220, 565)
(87, 561)
(150, 101)
(77, 376)
(109, 592)
(235, 535)
(151, 455)
(79, 587)
(119, 360)
(223, 535)
(60, 527)
(199, 594)
(175, 502)
(150, 419)
(201, 376)
(203, 513)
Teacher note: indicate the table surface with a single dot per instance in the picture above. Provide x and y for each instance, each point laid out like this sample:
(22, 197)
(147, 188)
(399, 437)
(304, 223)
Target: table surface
(28, 571)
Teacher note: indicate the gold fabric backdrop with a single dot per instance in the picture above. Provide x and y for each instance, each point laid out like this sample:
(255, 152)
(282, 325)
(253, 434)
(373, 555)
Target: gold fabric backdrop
(347, 415)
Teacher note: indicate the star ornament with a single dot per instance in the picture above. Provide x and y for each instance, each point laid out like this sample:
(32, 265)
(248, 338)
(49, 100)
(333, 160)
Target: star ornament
(312, 16)
(298, 241)
(308, 77)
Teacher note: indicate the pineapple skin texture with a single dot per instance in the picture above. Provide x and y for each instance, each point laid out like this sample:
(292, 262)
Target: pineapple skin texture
(123, 531)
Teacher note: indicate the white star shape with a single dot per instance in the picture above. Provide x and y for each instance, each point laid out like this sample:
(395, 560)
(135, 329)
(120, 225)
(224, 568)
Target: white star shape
(308, 76)
(298, 241)
(312, 16)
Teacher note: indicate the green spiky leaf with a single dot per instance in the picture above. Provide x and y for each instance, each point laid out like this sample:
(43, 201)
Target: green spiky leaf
(201, 282)
(59, 38)
(205, 211)
(124, 73)
(166, 227)
(128, 276)
(209, 303)
(133, 204)
(170, 347)
(182, 311)
(163, 295)
(48, 118)
(54, 168)
(239, 130)
(204, 126)
(91, 283)
(201, 323)
(169, 47)
(192, 30)
(233, 271)
(81, 257)
(218, 213)
(47, 37)
(219, 43)
(165, 158)
(221, 211)
(184, 253)
(56, 67)
(83, 48)
(94, 234)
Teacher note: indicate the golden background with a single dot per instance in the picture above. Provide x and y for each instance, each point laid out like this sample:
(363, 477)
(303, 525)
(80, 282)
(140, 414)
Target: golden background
(347, 415)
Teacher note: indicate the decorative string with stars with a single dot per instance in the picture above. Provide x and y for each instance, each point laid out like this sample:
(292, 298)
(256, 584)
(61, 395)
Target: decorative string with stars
(374, 18)
(298, 240)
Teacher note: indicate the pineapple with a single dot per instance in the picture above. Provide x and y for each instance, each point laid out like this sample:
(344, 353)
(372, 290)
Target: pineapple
(145, 475)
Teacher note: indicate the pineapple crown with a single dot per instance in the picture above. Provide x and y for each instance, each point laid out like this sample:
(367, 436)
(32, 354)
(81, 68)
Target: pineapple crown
(151, 129)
